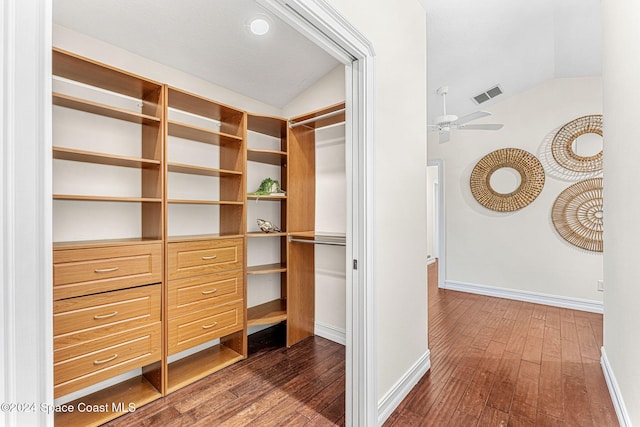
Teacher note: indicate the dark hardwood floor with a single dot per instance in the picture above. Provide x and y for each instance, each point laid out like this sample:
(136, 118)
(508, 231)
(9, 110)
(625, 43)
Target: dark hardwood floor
(494, 362)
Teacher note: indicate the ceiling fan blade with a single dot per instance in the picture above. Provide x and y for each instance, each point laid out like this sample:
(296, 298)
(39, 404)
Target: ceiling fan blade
(473, 116)
(444, 136)
(487, 126)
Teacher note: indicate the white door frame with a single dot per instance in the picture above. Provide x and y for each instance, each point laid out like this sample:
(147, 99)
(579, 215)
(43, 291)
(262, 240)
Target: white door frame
(440, 234)
(322, 24)
(26, 207)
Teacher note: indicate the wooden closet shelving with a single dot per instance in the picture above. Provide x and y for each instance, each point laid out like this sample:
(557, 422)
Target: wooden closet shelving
(184, 277)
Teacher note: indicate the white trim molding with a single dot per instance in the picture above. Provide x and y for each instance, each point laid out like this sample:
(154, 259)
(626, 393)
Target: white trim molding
(390, 401)
(330, 332)
(614, 390)
(527, 296)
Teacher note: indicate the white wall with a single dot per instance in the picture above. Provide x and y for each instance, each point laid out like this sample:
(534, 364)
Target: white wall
(519, 250)
(432, 180)
(397, 31)
(622, 199)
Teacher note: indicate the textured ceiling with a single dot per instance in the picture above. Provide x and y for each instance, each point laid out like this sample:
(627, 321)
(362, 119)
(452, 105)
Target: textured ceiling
(205, 38)
(517, 44)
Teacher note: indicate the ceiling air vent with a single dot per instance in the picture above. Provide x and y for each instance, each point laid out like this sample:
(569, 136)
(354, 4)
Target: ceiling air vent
(485, 96)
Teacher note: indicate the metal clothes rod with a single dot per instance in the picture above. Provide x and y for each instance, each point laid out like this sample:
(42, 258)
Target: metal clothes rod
(315, 119)
(335, 242)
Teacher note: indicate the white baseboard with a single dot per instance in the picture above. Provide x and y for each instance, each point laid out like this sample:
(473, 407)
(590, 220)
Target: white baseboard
(330, 332)
(390, 401)
(535, 297)
(614, 391)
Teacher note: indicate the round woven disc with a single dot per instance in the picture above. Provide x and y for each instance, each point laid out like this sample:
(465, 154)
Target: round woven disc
(531, 179)
(577, 214)
(562, 144)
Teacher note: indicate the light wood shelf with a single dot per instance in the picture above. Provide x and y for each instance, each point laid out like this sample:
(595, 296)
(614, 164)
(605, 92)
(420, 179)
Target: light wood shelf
(137, 391)
(103, 109)
(258, 234)
(268, 125)
(196, 133)
(266, 197)
(196, 366)
(106, 198)
(200, 170)
(63, 153)
(267, 268)
(81, 244)
(272, 157)
(190, 238)
(203, 202)
(270, 312)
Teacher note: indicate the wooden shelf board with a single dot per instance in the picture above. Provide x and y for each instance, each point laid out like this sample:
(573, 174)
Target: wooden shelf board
(200, 170)
(63, 153)
(268, 125)
(267, 268)
(203, 202)
(106, 198)
(321, 122)
(191, 368)
(265, 197)
(272, 157)
(189, 238)
(135, 390)
(261, 234)
(270, 312)
(71, 66)
(103, 109)
(195, 133)
(200, 106)
(81, 244)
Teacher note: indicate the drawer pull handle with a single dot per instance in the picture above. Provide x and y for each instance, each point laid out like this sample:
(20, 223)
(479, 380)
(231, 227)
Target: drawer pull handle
(106, 270)
(209, 291)
(207, 258)
(104, 316)
(100, 362)
(209, 326)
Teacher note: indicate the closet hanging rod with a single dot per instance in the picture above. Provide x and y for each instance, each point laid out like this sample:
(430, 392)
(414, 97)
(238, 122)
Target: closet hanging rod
(315, 119)
(329, 240)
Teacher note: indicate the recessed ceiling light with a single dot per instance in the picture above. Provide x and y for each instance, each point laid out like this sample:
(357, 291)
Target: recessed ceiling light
(259, 26)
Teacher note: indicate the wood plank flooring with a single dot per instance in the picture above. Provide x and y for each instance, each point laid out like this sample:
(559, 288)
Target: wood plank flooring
(496, 362)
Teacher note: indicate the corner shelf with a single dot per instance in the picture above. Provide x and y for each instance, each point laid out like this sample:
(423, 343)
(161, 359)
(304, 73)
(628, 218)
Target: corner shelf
(258, 234)
(270, 312)
(266, 197)
(203, 202)
(200, 170)
(272, 157)
(196, 133)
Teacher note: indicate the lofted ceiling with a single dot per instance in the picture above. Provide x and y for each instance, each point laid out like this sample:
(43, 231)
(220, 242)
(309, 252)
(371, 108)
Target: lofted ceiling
(518, 44)
(208, 39)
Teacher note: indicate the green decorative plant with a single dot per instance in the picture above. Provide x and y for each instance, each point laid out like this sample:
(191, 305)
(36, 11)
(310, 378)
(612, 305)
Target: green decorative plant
(268, 186)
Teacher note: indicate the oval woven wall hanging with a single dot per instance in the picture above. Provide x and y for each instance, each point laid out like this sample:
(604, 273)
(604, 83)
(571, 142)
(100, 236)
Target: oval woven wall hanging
(577, 214)
(562, 144)
(531, 179)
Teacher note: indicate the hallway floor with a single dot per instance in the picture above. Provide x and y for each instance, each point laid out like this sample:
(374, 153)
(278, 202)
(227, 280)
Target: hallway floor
(497, 362)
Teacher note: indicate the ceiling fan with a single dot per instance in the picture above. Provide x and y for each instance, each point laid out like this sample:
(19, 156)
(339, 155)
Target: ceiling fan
(444, 123)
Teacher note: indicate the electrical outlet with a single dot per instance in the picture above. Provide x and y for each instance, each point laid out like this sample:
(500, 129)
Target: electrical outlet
(601, 285)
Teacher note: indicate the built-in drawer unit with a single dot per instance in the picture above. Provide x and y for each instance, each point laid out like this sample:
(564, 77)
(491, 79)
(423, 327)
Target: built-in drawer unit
(200, 292)
(204, 325)
(77, 321)
(78, 367)
(194, 258)
(87, 271)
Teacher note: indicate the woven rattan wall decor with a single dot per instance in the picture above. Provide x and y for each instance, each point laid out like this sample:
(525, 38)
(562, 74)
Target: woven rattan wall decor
(531, 179)
(577, 214)
(562, 144)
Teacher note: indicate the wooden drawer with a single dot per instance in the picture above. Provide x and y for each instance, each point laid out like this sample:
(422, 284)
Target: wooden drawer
(188, 259)
(204, 325)
(201, 292)
(82, 319)
(107, 357)
(79, 272)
